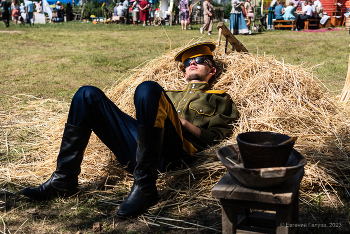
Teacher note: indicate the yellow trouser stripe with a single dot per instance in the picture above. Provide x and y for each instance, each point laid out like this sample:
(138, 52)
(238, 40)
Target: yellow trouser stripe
(165, 110)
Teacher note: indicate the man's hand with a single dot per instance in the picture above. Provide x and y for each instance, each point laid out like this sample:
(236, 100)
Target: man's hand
(190, 127)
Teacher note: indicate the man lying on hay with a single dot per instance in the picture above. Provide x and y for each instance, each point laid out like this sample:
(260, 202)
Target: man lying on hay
(170, 127)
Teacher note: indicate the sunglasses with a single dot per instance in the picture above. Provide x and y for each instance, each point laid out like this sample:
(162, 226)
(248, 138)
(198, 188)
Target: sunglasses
(198, 60)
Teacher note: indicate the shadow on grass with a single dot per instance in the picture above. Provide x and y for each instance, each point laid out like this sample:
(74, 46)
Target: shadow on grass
(70, 215)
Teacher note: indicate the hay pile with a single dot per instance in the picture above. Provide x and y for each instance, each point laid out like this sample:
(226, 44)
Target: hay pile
(270, 96)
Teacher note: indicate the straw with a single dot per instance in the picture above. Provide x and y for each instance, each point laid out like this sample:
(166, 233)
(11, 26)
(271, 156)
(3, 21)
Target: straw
(269, 95)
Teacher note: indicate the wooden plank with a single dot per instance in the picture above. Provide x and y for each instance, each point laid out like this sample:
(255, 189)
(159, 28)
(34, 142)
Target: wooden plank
(226, 44)
(220, 33)
(276, 25)
(253, 205)
(225, 186)
(282, 218)
(255, 230)
(283, 21)
(295, 209)
(239, 47)
(262, 219)
(230, 188)
(284, 26)
(229, 219)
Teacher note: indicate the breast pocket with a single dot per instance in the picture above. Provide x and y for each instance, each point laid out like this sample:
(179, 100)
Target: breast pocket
(202, 113)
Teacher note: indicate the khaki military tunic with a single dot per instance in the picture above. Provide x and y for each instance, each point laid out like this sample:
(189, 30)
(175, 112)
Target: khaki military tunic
(213, 111)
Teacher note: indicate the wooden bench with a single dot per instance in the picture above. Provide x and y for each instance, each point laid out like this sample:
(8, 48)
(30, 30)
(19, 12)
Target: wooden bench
(237, 200)
(117, 19)
(313, 23)
(326, 25)
(284, 24)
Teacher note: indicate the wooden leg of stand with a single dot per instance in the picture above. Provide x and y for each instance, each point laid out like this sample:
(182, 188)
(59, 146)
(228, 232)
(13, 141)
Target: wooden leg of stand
(226, 45)
(229, 219)
(220, 32)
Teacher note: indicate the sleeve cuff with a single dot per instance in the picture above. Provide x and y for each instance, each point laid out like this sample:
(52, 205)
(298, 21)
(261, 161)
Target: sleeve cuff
(206, 136)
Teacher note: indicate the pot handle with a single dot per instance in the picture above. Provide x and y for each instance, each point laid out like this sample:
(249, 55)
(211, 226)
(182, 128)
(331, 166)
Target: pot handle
(272, 172)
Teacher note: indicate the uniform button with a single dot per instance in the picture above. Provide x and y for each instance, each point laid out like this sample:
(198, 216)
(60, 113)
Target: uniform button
(193, 86)
(184, 100)
(178, 111)
(201, 110)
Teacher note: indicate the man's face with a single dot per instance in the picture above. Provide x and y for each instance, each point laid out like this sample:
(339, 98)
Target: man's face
(199, 72)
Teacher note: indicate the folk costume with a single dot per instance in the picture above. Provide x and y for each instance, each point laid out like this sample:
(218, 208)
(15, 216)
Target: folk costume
(155, 140)
(237, 22)
(271, 14)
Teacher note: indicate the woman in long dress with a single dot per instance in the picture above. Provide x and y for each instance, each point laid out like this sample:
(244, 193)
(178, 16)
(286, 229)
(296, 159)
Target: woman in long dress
(144, 11)
(237, 22)
(271, 14)
(69, 12)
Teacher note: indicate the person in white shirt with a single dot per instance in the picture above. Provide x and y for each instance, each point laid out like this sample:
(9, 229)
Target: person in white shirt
(318, 9)
(305, 4)
(318, 3)
(120, 9)
(307, 13)
(115, 9)
(21, 8)
(126, 11)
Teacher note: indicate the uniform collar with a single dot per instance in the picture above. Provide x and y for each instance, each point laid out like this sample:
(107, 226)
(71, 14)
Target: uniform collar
(198, 86)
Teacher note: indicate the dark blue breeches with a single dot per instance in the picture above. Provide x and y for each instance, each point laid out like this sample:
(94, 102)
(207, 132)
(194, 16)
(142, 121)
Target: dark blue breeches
(90, 108)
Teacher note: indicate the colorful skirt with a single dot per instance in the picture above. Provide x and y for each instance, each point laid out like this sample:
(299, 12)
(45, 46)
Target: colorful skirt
(238, 24)
(16, 13)
(135, 16)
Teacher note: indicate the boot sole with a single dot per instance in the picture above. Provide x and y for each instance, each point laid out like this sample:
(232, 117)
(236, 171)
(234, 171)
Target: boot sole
(51, 195)
(137, 214)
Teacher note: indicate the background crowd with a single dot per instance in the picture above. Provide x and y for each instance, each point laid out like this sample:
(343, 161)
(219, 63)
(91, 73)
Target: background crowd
(296, 10)
(24, 12)
(143, 11)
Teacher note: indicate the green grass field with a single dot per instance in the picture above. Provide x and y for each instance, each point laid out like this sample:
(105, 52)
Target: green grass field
(54, 60)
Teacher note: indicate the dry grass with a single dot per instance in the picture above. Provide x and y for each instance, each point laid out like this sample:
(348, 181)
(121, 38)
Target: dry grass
(270, 96)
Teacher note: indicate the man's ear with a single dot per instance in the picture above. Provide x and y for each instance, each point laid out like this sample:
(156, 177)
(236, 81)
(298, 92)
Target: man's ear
(212, 71)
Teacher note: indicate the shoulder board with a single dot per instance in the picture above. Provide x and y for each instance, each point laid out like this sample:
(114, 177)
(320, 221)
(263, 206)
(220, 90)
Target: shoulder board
(216, 91)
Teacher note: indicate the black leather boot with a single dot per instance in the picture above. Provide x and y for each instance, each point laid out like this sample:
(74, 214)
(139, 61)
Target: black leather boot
(64, 180)
(144, 191)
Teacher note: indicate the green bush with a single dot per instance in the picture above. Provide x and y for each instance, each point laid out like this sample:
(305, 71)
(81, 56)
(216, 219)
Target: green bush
(215, 4)
(91, 8)
(227, 10)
